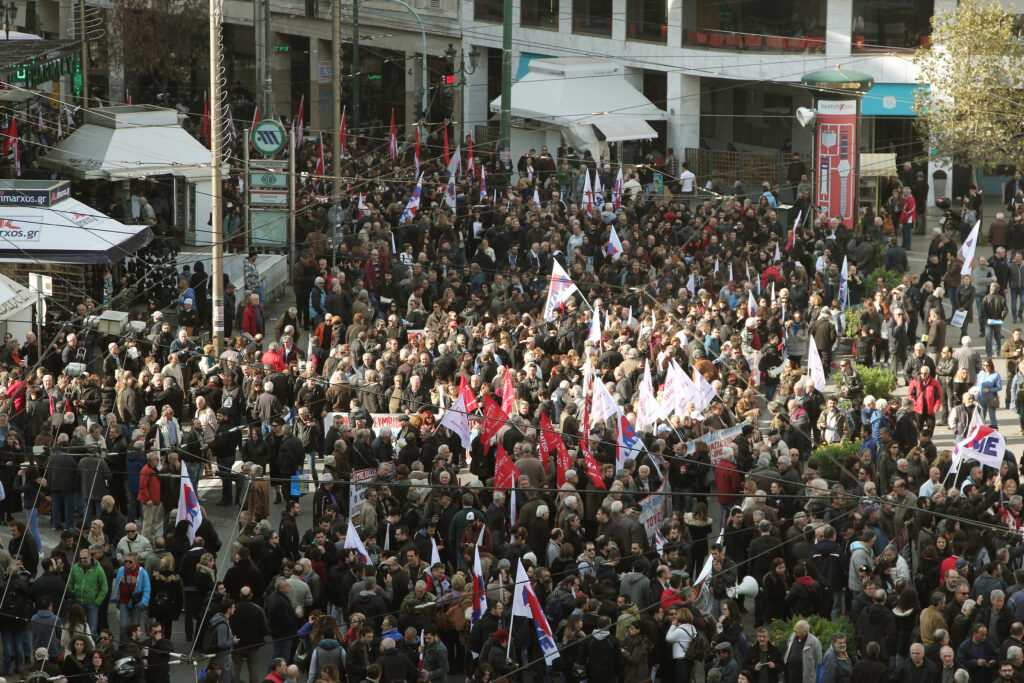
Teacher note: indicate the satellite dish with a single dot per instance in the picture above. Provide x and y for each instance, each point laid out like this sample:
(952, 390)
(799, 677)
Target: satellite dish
(805, 116)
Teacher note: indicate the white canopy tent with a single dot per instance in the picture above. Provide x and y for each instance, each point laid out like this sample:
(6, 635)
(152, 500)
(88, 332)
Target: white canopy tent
(139, 141)
(67, 231)
(580, 94)
(15, 307)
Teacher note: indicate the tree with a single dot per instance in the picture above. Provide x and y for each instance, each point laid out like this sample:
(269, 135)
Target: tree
(163, 40)
(972, 94)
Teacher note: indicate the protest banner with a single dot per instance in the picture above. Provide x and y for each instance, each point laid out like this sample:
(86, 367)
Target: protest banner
(360, 482)
(652, 512)
(716, 441)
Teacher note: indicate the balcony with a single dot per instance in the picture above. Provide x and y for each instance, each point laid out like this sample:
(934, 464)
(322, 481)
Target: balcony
(647, 20)
(731, 40)
(593, 17)
(883, 26)
(539, 13)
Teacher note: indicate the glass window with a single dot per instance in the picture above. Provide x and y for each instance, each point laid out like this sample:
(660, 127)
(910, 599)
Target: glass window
(488, 10)
(647, 20)
(539, 13)
(592, 16)
(778, 26)
(885, 24)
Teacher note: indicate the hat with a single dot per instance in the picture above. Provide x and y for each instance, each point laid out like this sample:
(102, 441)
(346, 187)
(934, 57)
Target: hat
(635, 507)
(188, 302)
(724, 646)
(229, 285)
(961, 563)
(156, 316)
(504, 564)
(41, 653)
(470, 517)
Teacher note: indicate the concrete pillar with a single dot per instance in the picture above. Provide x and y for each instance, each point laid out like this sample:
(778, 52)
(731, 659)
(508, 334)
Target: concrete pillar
(675, 22)
(565, 16)
(838, 26)
(476, 104)
(413, 79)
(618, 20)
(281, 73)
(683, 107)
(318, 104)
(115, 66)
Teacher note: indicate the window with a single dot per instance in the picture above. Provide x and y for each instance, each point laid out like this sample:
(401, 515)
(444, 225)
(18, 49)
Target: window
(539, 13)
(778, 26)
(647, 20)
(886, 24)
(592, 16)
(488, 10)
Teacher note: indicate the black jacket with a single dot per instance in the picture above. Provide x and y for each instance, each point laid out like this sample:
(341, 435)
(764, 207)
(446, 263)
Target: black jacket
(281, 616)
(249, 624)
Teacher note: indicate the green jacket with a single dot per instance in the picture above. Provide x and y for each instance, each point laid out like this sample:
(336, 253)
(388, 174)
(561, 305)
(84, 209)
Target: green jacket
(88, 588)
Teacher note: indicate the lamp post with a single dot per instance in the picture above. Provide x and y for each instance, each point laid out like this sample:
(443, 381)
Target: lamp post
(474, 61)
(10, 12)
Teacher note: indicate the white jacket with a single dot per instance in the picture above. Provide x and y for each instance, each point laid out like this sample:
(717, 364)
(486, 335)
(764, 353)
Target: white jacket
(680, 635)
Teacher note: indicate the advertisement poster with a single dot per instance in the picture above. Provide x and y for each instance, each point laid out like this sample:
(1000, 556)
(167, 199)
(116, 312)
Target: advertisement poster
(836, 172)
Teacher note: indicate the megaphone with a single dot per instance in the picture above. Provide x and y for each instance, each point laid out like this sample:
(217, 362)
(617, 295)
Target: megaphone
(804, 116)
(746, 588)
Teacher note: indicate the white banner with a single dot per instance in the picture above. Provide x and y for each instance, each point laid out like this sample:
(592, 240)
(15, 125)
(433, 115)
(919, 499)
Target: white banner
(357, 492)
(716, 441)
(653, 507)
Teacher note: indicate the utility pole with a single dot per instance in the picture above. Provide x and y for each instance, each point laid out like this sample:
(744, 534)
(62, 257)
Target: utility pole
(336, 77)
(268, 93)
(85, 53)
(506, 79)
(216, 188)
(356, 108)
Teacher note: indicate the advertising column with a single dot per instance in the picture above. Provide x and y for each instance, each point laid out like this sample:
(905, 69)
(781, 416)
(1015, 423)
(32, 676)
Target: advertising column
(836, 191)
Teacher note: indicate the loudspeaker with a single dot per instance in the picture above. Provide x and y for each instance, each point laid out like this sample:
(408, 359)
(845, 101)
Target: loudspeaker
(747, 588)
(804, 116)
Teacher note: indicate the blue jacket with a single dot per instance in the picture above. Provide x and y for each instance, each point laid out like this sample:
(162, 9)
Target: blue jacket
(141, 586)
(134, 463)
(46, 628)
(317, 302)
(968, 654)
(991, 381)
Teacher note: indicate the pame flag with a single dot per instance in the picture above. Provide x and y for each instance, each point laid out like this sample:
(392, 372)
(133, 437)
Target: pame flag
(629, 444)
(414, 201)
(983, 444)
(188, 505)
(526, 604)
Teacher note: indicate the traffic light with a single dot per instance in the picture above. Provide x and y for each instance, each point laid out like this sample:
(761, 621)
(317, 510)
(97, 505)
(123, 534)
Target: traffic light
(449, 79)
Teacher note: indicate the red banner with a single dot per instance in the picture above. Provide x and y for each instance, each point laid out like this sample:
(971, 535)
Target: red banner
(548, 440)
(508, 394)
(494, 419)
(505, 473)
(836, 172)
(465, 390)
(593, 471)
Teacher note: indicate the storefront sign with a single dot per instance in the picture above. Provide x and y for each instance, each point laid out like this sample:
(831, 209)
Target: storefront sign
(836, 176)
(19, 196)
(35, 73)
(16, 232)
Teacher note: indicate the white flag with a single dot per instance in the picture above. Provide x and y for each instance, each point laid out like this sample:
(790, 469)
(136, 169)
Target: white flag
(751, 304)
(844, 285)
(456, 419)
(814, 366)
(536, 197)
(969, 247)
(435, 556)
(595, 328)
(588, 194)
(559, 291)
(188, 505)
(614, 248)
(604, 405)
(353, 542)
(526, 604)
(647, 408)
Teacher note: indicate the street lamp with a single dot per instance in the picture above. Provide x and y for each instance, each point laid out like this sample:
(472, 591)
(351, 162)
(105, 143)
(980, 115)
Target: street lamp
(474, 60)
(10, 15)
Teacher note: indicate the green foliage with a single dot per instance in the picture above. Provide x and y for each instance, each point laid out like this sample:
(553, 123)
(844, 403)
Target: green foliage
(890, 277)
(831, 457)
(852, 316)
(878, 382)
(823, 629)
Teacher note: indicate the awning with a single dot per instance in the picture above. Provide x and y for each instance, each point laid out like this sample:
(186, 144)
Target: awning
(619, 129)
(889, 99)
(574, 92)
(14, 298)
(134, 141)
(878, 164)
(66, 232)
(524, 63)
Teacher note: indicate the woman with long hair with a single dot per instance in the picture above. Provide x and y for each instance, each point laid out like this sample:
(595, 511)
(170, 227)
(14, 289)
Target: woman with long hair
(774, 587)
(570, 646)
(167, 595)
(77, 661)
(76, 626)
(97, 668)
(698, 523)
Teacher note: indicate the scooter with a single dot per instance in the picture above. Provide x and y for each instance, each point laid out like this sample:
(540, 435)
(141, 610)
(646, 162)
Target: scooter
(950, 220)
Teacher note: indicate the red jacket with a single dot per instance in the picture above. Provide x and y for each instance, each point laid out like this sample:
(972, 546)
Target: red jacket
(249, 322)
(728, 482)
(908, 214)
(370, 273)
(149, 485)
(927, 395)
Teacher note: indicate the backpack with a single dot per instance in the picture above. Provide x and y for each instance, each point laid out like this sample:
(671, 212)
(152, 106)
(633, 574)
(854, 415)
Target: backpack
(699, 649)
(554, 609)
(161, 604)
(208, 640)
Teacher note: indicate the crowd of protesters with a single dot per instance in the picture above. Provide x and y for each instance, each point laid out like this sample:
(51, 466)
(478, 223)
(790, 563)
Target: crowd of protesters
(395, 316)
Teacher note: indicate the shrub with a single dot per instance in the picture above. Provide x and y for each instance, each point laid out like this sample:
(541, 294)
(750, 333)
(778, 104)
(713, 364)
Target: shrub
(878, 382)
(831, 457)
(890, 277)
(823, 629)
(852, 317)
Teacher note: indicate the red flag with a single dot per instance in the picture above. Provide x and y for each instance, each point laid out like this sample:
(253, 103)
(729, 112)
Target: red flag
(508, 393)
(467, 392)
(562, 461)
(469, 157)
(319, 170)
(10, 132)
(206, 118)
(393, 139)
(344, 133)
(255, 116)
(593, 471)
(300, 128)
(548, 440)
(446, 162)
(494, 419)
(505, 473)
(416, 151)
